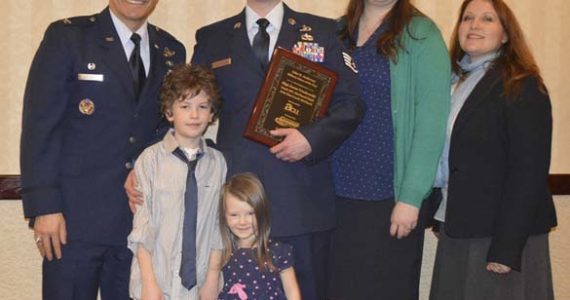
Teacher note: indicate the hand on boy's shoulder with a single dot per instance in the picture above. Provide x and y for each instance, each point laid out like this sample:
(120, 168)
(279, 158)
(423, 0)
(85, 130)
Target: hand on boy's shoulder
(134, 195)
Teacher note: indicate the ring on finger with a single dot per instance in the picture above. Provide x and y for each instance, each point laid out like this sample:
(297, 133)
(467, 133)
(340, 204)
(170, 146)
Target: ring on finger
(38, 240)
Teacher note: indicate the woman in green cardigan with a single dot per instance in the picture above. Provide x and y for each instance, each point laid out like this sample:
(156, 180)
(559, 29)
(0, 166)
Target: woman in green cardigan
(386, 168)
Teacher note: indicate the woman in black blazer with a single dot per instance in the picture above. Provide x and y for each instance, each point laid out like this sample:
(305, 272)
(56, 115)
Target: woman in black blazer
(496, 210)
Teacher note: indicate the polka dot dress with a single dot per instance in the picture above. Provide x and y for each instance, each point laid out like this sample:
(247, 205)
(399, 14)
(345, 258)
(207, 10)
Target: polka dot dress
(243, 278)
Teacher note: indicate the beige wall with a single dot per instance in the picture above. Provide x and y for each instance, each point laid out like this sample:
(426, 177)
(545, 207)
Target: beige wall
(22, 23)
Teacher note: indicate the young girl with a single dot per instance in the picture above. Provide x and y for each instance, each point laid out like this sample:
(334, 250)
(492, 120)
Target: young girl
(254, 266)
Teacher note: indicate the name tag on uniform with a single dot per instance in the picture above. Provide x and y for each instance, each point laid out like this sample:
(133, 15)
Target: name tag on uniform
(221, 63)
(90, 77)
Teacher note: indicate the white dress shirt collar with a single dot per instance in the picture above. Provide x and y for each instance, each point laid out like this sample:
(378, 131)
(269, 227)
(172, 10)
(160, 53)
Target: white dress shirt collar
(275, 18)
(125, 33)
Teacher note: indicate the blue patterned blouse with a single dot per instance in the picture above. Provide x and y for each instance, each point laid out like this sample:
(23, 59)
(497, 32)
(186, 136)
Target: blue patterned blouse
(364, 165)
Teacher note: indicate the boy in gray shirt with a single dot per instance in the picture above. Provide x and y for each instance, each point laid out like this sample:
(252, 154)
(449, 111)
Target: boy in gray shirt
(175, 231)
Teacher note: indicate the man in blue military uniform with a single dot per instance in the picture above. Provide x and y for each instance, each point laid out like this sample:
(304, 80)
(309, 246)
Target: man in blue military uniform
(296, 172)
(90, 106)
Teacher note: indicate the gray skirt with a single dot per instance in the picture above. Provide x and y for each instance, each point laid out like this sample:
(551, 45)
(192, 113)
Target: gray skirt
(460, 271)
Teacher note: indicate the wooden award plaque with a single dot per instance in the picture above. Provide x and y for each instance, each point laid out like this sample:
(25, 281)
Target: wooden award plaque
(295, 92)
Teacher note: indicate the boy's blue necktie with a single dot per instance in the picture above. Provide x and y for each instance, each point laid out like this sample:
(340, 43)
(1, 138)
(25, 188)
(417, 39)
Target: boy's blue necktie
(188, 264)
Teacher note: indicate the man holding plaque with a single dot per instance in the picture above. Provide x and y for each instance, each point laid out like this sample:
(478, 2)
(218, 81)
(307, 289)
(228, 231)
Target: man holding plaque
(296, 172)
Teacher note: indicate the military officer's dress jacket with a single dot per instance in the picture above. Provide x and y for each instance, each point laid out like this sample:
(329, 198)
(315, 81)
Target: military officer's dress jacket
(82, 126)
(301, 194)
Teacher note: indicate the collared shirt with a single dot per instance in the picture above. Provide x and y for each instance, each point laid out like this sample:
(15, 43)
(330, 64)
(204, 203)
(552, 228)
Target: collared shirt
(125, 34)
(275, 18)
(157, 224)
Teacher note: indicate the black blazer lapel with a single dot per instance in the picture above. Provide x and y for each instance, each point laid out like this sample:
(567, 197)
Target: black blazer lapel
(113, 52)
(240, 48)
(476, 98)
(157, 63)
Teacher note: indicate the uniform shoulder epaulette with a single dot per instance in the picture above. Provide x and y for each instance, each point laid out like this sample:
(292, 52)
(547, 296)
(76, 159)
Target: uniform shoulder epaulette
(231, 23)
(79, 21)
(341, 24)
(311, 18)
(163, 33)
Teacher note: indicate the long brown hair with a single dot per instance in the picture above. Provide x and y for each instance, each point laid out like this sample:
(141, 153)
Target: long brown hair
(515, 58)
(246, 187)
(397, 20)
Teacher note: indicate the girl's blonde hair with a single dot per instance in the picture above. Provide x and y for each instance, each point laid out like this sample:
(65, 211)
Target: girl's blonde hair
(247, 187)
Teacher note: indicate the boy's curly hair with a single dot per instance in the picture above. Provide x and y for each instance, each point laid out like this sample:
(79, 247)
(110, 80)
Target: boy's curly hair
(185, 81)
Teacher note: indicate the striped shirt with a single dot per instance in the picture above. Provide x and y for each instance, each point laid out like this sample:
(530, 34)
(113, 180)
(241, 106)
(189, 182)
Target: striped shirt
(157, 224)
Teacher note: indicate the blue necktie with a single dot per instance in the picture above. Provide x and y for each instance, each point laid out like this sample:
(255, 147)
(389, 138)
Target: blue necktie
(188, 264)
(261, 42)
(137, 66)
